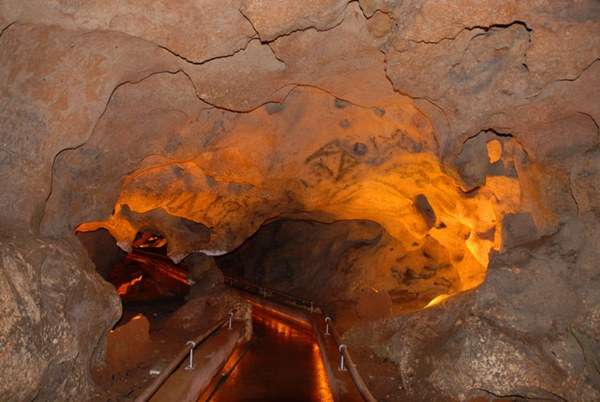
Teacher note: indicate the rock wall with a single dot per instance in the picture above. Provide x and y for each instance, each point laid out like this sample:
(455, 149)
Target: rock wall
(56, 313)
(530, 331)
(469, 124)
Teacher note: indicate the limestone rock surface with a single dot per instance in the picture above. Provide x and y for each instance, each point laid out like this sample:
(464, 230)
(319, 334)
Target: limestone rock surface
(56, 313)
(450, 127)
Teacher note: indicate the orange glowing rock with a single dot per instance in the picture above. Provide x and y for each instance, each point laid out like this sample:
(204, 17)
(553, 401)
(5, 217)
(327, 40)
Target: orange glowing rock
(494, 149)
(126, 287)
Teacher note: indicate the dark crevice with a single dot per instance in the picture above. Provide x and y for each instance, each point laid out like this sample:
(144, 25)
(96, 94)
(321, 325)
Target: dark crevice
(472, 28)
(570, 188)
(568, 79)
(225, 56)
(522, 397)
(593, 121)
(199, 63)
(580, 73)
(257, 36)
(245, 111)
(6, 28)
(499, 134)
(308, 28)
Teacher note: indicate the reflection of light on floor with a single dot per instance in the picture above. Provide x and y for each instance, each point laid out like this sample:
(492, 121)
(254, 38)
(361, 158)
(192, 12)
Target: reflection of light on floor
(280, 327)
(283, 362)
(257, 307)
(320, 376)
(232, 367)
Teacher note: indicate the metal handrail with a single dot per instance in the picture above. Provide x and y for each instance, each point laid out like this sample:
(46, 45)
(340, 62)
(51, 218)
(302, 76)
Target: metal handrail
(344, 353)
(176, 361)
(356, 377)
(264, 291)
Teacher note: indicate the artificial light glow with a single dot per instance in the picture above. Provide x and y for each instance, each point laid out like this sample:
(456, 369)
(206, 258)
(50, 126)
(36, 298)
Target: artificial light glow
(437, 300)
(494, 149)
(324, 390)
(125, 287)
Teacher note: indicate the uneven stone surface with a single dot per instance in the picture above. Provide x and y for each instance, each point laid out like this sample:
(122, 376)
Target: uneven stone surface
(456, 129)
(56, 312)
(128, 344)
(102, 250)
(203, 270)
(525, 332)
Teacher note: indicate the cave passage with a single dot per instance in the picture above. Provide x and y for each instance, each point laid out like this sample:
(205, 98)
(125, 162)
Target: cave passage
(282, 363)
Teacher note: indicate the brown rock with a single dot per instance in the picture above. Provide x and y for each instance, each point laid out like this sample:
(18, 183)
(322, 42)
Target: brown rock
(102, 250)
(274, 18)
(518, 229)
(56, 312)
(374, 305)
(369, 105)
(128, 344)
(192, 29)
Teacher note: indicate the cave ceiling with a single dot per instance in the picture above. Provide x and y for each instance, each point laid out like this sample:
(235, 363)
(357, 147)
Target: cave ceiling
(203, 120)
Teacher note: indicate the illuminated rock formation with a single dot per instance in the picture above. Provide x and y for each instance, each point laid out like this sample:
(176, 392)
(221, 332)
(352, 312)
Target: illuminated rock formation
(415, 140)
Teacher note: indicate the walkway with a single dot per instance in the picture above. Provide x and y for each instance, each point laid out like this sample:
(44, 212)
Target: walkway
(282, 364)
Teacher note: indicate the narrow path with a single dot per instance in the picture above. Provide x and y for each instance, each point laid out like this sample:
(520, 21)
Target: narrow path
(282, 364)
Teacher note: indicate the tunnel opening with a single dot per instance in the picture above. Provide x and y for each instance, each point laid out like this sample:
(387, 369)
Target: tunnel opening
(151, 241)
(146, 274)
(353, 267)
(163, 305)
(370, 240)
(147, 282)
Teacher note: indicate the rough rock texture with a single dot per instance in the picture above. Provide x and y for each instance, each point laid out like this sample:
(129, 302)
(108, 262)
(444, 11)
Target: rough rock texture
(128, 344)
(56, 313)
(453, 125)
(203, 270)
(102, 250)
(530, 330)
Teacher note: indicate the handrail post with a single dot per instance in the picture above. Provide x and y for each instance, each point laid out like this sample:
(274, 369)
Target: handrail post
(190, 365)
(230, 325)
(327, 319)
(312, 307)
(341, 349)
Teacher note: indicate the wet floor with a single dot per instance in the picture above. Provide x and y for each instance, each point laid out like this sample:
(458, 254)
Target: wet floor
(282, 363)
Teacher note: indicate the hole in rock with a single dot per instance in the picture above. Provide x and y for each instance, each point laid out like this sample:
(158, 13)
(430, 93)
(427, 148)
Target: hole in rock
(146, 280)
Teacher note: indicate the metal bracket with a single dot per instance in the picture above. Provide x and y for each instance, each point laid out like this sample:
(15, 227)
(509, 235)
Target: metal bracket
(341, 348)
(230, 325)
(327, 319)
(190, 365)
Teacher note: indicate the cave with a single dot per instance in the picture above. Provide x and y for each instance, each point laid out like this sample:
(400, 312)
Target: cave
(421, 176)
